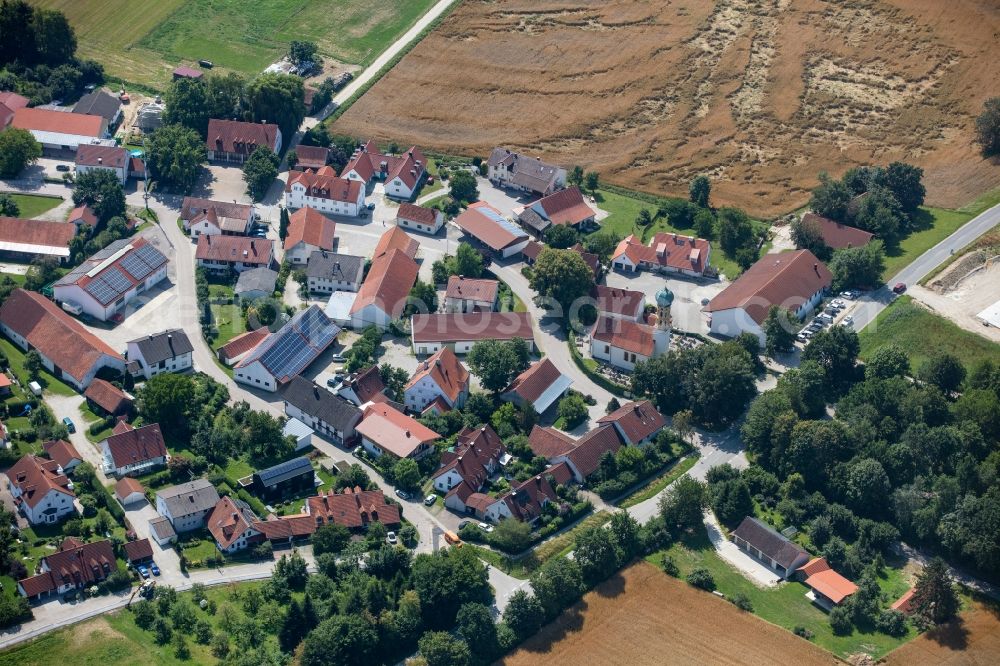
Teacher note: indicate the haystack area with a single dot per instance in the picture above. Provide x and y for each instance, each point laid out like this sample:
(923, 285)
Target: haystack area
(759, 94)
(645, 617)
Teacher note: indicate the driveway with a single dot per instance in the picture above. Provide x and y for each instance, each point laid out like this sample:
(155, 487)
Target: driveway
(167, 559)
(730, 552)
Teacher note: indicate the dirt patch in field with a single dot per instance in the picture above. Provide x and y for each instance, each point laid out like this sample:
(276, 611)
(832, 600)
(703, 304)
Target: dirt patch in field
(643, 616)
(759, 94)
(973, 639)
(86, 632)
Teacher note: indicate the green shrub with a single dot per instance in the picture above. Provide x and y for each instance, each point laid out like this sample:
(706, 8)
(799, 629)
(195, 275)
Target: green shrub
(702, 578)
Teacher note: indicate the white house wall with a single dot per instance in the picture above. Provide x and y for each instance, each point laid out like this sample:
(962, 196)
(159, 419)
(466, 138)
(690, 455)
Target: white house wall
(257, 376)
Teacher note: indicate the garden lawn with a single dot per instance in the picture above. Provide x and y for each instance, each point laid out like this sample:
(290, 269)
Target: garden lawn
(921, 333)
(228, 321)
(16, 358)
(983, 203)
(33, 205)
(786, 605)
(658, 484)
(937, 224)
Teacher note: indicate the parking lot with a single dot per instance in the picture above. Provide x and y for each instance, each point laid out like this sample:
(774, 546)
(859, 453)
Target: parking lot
(689, 294)
(835, 311)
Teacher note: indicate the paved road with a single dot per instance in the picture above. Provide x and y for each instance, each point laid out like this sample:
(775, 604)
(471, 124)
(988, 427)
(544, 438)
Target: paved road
(873, 303)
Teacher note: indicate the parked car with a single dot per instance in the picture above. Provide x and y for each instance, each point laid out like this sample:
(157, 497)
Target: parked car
(429, 500)
(849, 295)
(837, 303)
(463, 523)
(824, 317)
(333, 382)
(899, 288)
(62, 167)
(143, 571)
(402, 494)
(453, 539)
(371, 206)
(848, 321)
(391, 539)
(155, 569)
(486, 527)
(338, 358)
(69, 424)
(802, 337)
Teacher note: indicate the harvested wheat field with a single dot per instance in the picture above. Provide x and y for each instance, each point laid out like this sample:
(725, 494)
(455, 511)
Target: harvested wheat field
(759, 94)
(973, 640)
(644, 616)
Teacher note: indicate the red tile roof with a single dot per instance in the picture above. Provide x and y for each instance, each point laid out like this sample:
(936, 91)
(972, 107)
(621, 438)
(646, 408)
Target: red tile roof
(532, 250)
(671, 250)
(75, 563)
(367, 385)
(624, 302)
(242, 343)
(905, 603)
(35, 477)
(638, 420)
(84, 214)
(56, 335)
(473, 326)
(137, 445)
(36, 232)
(112, 157)
(62, 452)
(472, 289)
(624, 334)
(831, 585)
(367, 161)
(325, 184)
(787, 280)
(234, 136)
(43, 120)
(353, 508)
(138, 551)
(13, 101)
(286, 527)
(126, 486)
(560, 473)
(525, 500)
(534, 381)
(485, 228)
(566, 207)
(388, 283)
(187, 72)
(396, 239)
(309, 226)
(836, 235)
(475, 451)
(228, 521)
(586, 456)
(549, 442)
(418, 214)
(107, 396)
(121, 426)
(446, 371)
(235, 249)
(394, 431)
(311, 157)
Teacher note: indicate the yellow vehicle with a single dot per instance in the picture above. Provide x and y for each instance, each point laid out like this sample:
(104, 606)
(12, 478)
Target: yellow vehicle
(453, 539)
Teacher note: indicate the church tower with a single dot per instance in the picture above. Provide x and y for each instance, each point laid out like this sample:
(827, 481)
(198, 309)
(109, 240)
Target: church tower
(661, 331)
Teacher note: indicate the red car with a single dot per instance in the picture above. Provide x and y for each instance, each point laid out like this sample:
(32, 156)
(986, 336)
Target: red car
(899, 288)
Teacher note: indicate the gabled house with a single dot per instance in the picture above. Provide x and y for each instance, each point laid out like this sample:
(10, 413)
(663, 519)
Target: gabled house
(363, 387)
(625, 343)
(384, 293)
(308, 231)
(103, 158)
(354, 509)
(584, 458)
(311, 157)
(169, 351)
(68, 350)
(105, 398)
(224, 254)
(549, 443)
(231, 524)
(234, 141)
(619, 303)
(60, 131)
(487, 226)
(506, 168)
(541, 386)
(666, 253)
(287, 352)
(827, 588)
(134, 451)
(100, 102)
(769, 547)
(63, 453)
(475, 458)
(41, 490)
(129, 491)
(236, 349)
(328, 272)
(186, 505)
(255, 283)
(27, 240)
(9, 103)
(216, 218)
(564, 207)
(795, 281)
(524, 502)
(139, 551)
(328, 414)
(636, 422)
(324, 191)
(419, 218)
(836, 235)
(386, 431)
(75, 566)
(111, 278)
(457, 331)
(471, 295)
(402, 174)
(286, 478)
(83, 218)
(440, 377)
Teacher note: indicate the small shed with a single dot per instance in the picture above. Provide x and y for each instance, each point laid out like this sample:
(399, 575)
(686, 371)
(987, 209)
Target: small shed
(300, 431)
(138, 552)
(255, 283)
(129, 491)
(161, 531)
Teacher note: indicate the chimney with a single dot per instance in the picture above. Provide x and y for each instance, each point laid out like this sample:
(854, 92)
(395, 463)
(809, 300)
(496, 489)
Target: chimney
(407, 433)
(100, 160)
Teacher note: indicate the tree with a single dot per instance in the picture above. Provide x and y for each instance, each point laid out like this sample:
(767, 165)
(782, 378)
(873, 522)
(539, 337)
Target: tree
(102, 191)
(186, 105)
(573, 410)
(558, 583)
(174, 155)
(292, 157)
(284, 221)
(934, 597)
(439, 648)
(348, 640)
(830, 198)
(8, 206)
(840, 621)
(879, 212)
(904, 180)
(512, 536)
(836, 350)
(475, 625)
(181, 649)
(593, 181)
(463, 187)
(575, 176)
(644, 218)
(446, 580)
(524, 614)
(944, 371)
(395, 381)
(423, 297)
(886, 362)
(468, 262)
(735, 230)
(868, 486)
(292, 627)
(165, 399)
(699, 191)
(33, 364)
(406, 473)
(300, 52)
(561, 236)
(704, 223)
(18, 149)
(224, 96)
(277, 98)
(987, 128)
(496, 363)
(55, 40)
(601, 244)
(779, 335)
(858, 267)
(731, 501)
(701, 577)
(259, 171)
(597, 554)
(682, 505)
(563, 276)
(807, 236)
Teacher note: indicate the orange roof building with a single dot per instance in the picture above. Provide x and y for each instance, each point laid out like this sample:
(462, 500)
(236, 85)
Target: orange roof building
(440, 376)
(308, 231)
(469, 295)
(36, 238)
(666, 253)
(231, 524)
(58, 129)
(325, 191)
(384, 430)
(353, 508)
(41, 490)
(828, 588)
(541, 386)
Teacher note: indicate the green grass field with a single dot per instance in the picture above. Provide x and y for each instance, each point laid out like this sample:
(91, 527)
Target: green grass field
(150, 38)
(787, 605)
(921, 333)
(48, 382)
(33, 205)
(938, 224)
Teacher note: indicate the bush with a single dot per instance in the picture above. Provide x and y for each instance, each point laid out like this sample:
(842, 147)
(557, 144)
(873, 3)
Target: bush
(702, 578)
(669, 566)
(799, 630)
(742, 602)
(891, 622)
(840, 621)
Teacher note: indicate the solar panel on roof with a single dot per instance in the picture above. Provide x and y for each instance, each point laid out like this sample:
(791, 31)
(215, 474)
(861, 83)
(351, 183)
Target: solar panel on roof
(135, 266)
(288, 468)
(151, 255)
(100, 291)
(116, 280)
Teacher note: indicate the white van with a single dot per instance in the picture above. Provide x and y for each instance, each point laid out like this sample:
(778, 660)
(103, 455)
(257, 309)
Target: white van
(71, 307)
